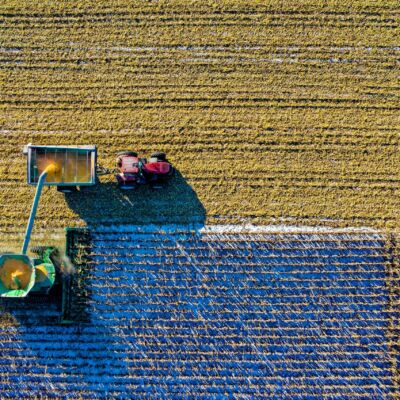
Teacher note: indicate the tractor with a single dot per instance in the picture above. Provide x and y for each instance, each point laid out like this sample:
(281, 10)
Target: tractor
(133, 171)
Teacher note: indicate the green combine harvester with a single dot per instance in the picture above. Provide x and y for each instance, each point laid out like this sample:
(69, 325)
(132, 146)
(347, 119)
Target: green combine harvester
(20, 274)
(65, 167)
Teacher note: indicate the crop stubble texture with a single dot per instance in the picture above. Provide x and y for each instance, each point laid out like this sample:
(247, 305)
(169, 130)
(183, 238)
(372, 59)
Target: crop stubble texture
(269, 111)
(201, 314)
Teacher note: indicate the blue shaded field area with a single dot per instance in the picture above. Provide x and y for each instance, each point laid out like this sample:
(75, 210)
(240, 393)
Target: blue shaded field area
(214, 313)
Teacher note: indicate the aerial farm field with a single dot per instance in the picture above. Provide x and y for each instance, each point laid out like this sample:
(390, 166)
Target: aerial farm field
(269, 111)
(274, 113)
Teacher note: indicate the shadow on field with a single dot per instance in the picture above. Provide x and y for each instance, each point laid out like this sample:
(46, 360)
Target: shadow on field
(105, 203)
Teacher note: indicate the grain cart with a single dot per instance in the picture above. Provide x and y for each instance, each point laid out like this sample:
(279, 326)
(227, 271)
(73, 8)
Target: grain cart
(65, 167)
(75, 166)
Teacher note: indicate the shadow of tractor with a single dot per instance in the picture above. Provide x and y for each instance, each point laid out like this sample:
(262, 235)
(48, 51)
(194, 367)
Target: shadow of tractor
(105, 203)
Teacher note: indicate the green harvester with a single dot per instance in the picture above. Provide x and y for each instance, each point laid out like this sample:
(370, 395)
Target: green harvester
(66, 167)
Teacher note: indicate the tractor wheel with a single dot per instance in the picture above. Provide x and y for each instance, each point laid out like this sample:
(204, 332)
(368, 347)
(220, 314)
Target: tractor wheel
(127, 153)
(67, 189)
(159, 155)
(38, 249)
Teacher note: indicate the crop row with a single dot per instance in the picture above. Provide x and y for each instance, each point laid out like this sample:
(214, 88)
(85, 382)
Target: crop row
(130, 33)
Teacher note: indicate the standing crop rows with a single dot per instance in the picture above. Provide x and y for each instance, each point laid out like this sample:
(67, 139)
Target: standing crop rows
(268, 111)
(195, 314)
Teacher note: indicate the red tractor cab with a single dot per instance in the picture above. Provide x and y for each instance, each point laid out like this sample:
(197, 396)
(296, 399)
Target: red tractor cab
(134, 171)
(157, 170)
(128, 165)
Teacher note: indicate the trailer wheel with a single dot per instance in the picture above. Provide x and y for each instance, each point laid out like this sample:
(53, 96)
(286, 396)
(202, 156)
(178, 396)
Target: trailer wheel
(161, 156)
(67, 189)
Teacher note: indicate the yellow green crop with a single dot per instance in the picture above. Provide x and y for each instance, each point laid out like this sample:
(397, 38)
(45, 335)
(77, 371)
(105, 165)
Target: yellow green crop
(271, 111)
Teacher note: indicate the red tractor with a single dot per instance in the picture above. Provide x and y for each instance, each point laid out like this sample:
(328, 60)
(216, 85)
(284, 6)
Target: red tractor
(134, 171)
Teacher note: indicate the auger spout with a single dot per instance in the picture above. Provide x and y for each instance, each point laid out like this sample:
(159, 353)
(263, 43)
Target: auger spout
(52, 168)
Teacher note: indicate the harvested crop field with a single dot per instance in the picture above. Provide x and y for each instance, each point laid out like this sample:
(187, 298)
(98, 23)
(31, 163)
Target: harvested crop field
(216, 312)
(270, 112)
(269, 265)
